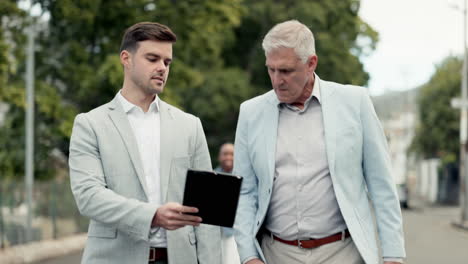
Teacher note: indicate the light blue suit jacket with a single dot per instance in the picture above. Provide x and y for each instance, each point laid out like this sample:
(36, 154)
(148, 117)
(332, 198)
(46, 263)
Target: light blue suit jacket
(358, 161)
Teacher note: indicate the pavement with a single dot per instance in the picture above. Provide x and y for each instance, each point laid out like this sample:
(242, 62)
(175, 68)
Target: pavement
(45, 250)
(460, 224)
(73, 258)
(433, 235)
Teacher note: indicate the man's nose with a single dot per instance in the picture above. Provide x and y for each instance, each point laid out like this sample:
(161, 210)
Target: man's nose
(161, 67)
(277, 79)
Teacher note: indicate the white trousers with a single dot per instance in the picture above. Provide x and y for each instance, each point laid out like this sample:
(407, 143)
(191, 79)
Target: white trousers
(339, 252)
(229, 247)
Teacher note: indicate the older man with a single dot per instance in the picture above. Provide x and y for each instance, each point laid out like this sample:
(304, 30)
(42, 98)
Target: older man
(312, 154)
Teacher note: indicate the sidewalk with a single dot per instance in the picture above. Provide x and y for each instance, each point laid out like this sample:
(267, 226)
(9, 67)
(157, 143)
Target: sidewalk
(463, 226)
(42, 250)
(418, 203)
(431, 237)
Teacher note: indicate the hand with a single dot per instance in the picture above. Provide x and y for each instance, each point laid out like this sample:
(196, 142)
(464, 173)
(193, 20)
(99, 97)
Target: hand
(255, 261)
(172, 216)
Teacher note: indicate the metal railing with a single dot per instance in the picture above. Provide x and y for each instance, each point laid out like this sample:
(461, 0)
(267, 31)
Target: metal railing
(55, 213)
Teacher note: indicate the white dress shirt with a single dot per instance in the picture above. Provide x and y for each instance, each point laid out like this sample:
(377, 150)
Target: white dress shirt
(146, 129)
(303, 203)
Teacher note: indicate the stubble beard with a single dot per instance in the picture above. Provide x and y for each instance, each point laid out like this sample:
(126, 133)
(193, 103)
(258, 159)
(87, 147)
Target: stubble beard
(149, 88)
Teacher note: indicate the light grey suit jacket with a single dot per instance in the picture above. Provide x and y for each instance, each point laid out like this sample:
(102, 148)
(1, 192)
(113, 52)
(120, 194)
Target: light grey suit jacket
(358, 162)
(109, 186)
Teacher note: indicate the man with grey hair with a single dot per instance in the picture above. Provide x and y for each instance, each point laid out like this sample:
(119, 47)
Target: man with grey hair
(315, 165)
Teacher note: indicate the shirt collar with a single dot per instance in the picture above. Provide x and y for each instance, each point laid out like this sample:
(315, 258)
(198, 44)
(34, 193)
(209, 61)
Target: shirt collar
(127, 106)
(315, 90)
(315, 93)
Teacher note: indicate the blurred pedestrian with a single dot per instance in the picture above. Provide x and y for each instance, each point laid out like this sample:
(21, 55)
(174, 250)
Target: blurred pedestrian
(128, 162)
(312, 154)
(226, 161)
(225, 158)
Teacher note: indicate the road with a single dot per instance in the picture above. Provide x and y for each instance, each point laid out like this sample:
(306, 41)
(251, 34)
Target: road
(429, 235)
(70, 259)
(432, 239)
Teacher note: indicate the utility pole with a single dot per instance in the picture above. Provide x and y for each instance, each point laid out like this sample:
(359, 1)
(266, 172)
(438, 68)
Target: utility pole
(29, 159)
(462, 103)
(464, 215)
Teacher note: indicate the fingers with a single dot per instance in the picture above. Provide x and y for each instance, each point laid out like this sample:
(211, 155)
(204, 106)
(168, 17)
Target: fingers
(173, 216)
(176, 224)
(181, 209)
(187, 209)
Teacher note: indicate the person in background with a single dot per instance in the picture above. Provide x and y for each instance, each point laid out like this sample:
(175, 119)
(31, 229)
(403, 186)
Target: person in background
(225, 161)
(128, 162)
(315, 164)
(225, 158)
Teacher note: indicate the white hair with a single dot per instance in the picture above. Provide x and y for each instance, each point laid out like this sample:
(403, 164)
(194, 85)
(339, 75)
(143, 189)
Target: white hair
(290, 34)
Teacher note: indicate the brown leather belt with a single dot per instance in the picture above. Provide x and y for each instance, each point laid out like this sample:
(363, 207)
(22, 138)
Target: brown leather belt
(157, 254)
(313, 243)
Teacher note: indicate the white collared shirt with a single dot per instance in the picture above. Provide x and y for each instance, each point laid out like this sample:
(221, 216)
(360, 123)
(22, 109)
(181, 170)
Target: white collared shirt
(303, 204)
(146, 129)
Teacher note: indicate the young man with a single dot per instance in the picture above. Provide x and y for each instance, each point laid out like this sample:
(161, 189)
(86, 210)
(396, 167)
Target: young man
(128, 160)
(311, 153)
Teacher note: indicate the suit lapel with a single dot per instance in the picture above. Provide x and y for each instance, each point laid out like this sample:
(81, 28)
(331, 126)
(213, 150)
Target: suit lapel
(329, 121)
(120, 120)
(166, 128)
(270, 130)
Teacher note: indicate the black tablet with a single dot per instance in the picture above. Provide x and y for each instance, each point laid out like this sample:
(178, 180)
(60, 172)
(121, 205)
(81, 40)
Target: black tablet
(215, 194)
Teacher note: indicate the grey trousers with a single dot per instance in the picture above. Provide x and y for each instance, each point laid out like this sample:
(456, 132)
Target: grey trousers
(333, 253)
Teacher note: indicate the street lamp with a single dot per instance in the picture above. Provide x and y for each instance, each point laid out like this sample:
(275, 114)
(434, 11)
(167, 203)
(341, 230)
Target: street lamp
(462, 103)
(29, 159)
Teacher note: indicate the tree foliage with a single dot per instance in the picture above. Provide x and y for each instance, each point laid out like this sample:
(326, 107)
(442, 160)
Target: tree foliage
(218, 61)
(437, 135)
(341, 38)
(12, 88)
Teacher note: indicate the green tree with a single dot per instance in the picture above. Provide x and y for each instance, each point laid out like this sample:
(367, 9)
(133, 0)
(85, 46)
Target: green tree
(437, 135)
(81, 45)
(52, 115)
(218, 61)
(12, 89)
(341, 38)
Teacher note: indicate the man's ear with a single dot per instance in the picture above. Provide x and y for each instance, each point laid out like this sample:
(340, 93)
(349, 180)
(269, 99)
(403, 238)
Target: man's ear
(125, 58)
(312, 62)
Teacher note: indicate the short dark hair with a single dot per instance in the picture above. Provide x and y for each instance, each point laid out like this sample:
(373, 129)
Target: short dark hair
(146, 31)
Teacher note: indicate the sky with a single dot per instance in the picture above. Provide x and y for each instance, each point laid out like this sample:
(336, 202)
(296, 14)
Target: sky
(414, 37)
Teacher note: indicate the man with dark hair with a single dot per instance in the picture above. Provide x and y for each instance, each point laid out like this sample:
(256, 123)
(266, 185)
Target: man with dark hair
(128, 160)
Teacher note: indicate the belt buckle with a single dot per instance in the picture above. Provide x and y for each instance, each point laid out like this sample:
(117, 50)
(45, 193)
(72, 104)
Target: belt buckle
(299, 244)
(152, 256)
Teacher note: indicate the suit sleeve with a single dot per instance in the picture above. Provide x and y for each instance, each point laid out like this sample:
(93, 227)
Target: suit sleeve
(380, 184)
(208, 236)
(248, 201)
(89, 188)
